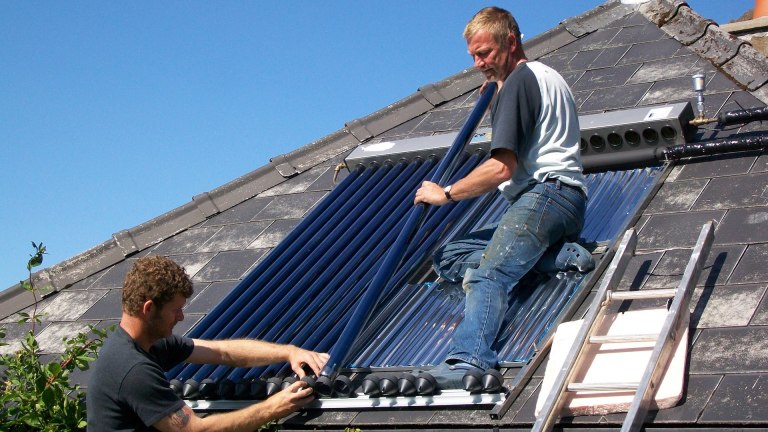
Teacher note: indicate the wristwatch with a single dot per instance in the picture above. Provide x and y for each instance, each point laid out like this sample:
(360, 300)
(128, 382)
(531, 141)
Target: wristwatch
(447, 191)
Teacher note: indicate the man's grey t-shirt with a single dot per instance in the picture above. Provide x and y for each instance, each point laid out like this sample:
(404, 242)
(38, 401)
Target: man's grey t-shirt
(128, 390)
(535, 116)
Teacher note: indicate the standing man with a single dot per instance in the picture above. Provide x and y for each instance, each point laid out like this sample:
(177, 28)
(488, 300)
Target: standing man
(128, 389)
(535, 163)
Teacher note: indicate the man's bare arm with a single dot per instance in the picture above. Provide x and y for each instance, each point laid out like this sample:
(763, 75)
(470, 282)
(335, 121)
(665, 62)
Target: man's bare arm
(250, 353)
(246, 419)
(486, 177)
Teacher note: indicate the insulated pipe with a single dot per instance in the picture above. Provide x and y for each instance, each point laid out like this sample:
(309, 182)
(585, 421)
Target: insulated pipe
(727, 145)
(734, 117)
(743, 116)
(642, 157)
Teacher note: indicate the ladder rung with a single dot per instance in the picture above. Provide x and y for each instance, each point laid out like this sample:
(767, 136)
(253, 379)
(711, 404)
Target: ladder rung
(641, 294)
(607, 387)
(651, 337)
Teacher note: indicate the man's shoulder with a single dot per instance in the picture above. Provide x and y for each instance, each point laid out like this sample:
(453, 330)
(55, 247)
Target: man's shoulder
(117, 357)
(118, 347)
(545, 74)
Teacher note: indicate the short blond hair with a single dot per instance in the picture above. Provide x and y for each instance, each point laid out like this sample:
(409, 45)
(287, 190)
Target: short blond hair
(497, 21)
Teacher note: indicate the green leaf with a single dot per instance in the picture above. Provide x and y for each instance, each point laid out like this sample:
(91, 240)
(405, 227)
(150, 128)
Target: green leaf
(53, 369)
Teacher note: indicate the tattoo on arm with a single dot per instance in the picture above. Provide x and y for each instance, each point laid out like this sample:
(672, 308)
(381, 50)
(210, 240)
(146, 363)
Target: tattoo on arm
(180, 419)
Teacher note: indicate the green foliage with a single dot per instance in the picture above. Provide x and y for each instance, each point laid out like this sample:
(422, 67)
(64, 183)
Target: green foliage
(269, 427)
(36, 395)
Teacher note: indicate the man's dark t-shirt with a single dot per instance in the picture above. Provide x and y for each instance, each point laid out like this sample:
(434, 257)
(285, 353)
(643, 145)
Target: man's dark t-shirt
(128, 389)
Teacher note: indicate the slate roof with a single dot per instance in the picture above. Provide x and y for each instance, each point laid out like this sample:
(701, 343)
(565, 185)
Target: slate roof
(614, 57)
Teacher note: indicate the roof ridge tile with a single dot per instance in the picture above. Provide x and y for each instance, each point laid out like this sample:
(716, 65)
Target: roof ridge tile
(687, 26)
(717, 46)
(749, 67)
(596, 18)
(660, 11)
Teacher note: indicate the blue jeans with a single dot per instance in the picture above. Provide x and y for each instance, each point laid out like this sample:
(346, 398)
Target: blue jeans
(494, 258)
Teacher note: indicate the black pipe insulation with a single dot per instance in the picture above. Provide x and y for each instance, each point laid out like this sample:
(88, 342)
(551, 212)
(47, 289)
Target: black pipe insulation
(721, 146)
(743, 116)
(640, 158)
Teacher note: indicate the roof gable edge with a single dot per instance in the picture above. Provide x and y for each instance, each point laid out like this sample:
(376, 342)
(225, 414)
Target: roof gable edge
(422, 101)
(571, 29)
(732, 56)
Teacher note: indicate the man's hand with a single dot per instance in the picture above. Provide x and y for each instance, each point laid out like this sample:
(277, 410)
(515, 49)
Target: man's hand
(499, 83)
(249, 418)
(299, 357)
(430, 193)
(290, 399)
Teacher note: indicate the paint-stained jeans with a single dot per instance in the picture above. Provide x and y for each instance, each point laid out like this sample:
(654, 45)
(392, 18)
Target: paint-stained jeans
(493, 259)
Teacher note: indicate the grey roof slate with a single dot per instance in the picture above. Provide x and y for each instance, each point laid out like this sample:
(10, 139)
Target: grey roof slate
(614, 56)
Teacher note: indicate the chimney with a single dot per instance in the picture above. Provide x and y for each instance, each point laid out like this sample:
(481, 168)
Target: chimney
(761, 9)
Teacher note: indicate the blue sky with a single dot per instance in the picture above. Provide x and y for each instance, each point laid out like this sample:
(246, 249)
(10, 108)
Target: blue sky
(114, 113)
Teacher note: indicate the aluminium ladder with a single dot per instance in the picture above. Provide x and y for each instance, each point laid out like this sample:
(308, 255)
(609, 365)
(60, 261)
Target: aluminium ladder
(675, 324)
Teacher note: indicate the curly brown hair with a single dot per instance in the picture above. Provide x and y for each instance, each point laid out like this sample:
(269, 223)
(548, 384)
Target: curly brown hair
(155, 278)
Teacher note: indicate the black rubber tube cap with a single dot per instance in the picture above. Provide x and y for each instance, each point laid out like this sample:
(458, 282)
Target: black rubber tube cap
(426, 384)
(258, 389)
(493, 381)
(243, 389)
(388, 384)
(190, 389)
(406, 384)
(342, 385)
(324, 387)
(176, 386)
(311, 380)
(287, 381)
(208, 389)
(371, 385)
(473, 382)
(274, 385)
(226, 389)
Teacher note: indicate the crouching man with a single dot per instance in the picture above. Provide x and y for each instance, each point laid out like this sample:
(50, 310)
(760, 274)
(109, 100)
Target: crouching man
(128, 389)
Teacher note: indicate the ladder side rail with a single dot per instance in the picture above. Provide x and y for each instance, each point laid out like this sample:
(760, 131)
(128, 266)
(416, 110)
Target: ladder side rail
(549, 411)
(674, 326)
